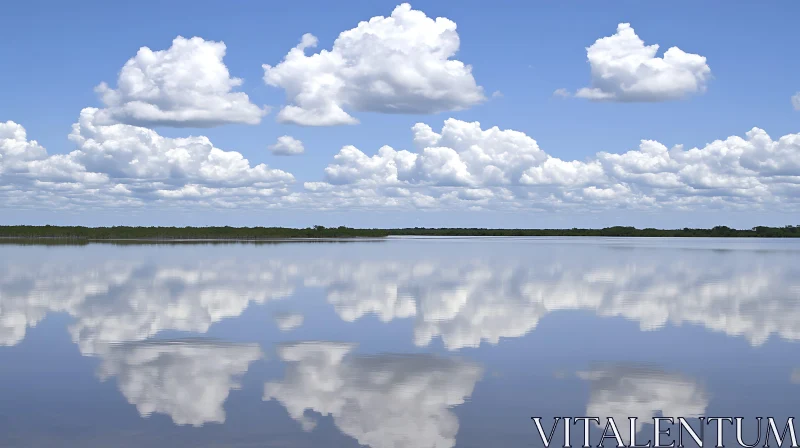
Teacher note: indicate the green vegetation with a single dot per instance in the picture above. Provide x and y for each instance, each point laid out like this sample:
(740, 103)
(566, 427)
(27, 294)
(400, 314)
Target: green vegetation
(184, 233)
(153, 242)
(618, 231)
(175, 234)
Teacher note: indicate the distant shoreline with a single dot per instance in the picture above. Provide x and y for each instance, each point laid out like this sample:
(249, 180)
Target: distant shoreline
(123, 234)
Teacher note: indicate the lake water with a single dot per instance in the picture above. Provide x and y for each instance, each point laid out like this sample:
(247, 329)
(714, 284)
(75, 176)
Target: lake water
(408, 342)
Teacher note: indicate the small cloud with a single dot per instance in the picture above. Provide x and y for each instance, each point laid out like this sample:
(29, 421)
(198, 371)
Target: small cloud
(289, 321)
(497, 94)
(287, 146)
(796, 101)
(562, 92)
(624, 69)
(317, 186)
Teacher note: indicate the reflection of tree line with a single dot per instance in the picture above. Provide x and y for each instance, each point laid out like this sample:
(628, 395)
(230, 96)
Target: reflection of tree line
(46, 241)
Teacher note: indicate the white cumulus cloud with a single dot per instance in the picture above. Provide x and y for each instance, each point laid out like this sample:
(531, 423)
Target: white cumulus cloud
(187, 85)
(397, 64)
(796, 101)
(465, 165)
(287, 146)
(625, 69)
(462, 155)
(124, 165)
(462, 166)
(15, 146)
(138, 155)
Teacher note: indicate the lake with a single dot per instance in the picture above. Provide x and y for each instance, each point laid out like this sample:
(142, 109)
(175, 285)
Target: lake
(406, 342)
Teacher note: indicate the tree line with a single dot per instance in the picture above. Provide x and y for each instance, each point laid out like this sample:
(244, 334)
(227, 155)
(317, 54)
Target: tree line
(617, 231)
(184, 233)
(264, 233)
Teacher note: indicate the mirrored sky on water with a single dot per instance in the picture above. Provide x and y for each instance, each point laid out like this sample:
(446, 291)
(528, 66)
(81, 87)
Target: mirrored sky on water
(408, 342)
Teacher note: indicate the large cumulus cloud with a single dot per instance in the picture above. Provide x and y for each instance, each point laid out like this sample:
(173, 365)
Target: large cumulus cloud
(462, 166)
(397, 64)
(187, 85)
(133, 155)
(124, 165)
(29, 176)
(15, 146)
(466, 166)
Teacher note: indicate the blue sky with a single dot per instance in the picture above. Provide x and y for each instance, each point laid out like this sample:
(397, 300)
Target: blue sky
(55, 54)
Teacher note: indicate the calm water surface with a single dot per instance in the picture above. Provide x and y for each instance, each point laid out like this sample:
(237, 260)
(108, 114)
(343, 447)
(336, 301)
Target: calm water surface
(426, 342)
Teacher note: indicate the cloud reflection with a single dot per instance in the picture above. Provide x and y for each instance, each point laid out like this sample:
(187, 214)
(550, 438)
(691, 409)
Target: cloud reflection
(119, 298)
(186, 380)
(621, 391)
(795, 376)
(132, 300)
(383, 401)
(464, 300)
(289, 321)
